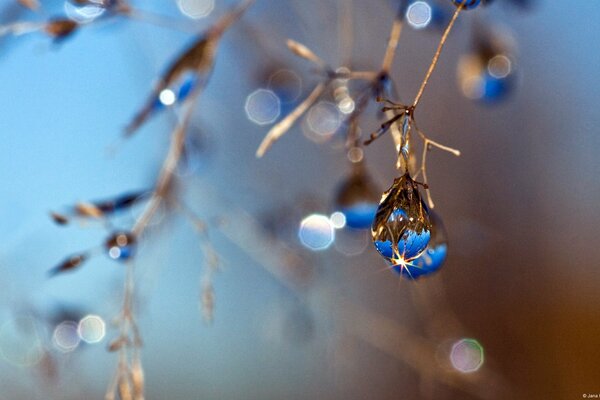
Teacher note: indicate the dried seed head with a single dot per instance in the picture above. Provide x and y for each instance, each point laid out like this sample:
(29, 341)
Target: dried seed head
(59, 218)
(60, 28)
(120, 245)
(116, 344)
(69, 264)
(88, 210)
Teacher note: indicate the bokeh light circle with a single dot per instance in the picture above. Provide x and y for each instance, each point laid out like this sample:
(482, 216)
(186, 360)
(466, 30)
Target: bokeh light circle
(20, 342)
(65, 337)
(196, 9)
(324, 119)
(338, 220)
(91, 329)
(262, 107)
(316, 232)
(419, 14)
(467, 356)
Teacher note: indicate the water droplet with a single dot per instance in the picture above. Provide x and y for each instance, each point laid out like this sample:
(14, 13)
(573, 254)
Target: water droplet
(401, 229)
(177, 91)
(357, 199)
(120, 245)
(434, 255)
(467, 4)
(488, 72)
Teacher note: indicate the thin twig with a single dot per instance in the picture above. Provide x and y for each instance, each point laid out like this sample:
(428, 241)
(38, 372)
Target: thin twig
(303, 51)
(286, 123)
(436, 56)
(392, 44)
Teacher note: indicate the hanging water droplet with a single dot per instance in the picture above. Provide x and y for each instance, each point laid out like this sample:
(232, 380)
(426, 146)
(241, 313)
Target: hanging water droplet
(434, 255)
(357, 199)
(488, 74)
(467, 4)
(120, 245)
(401, 229)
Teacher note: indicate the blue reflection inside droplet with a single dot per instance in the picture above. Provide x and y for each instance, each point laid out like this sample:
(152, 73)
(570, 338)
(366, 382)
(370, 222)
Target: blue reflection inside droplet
(427, 263)
(494, 88)
(409, 245)
(182, 90)
(384, 248)
(360, 215)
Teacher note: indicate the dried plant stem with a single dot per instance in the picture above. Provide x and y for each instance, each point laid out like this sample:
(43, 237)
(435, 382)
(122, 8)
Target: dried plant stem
(427, 144)
(392, 45)
(285, 124)
(128, 380)
(436, 56)
(345, 30)
(165, 177)
(303, 51)
(211, 259)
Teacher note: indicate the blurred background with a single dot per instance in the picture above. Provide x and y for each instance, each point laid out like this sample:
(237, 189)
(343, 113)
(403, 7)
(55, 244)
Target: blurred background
(513, 313)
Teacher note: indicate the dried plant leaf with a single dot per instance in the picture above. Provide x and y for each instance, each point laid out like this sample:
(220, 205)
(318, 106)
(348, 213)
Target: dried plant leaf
(198, 59)
(70, 263)
(60, 28)
(304, 52)
(59, 219)
(121, 202)
(88, 210)
(116, 344)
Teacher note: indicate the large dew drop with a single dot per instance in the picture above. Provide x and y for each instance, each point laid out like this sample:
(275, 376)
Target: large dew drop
(401, 229)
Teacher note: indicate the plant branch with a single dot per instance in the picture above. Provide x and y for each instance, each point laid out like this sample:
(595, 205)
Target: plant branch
(436, 56)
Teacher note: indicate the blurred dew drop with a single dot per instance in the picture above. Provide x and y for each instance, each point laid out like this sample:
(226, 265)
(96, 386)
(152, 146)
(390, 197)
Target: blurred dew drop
(120, 245)
(20, 342)
(316, 232)
(466, 355)
(91, 329)
(84, 13)
(487, 74)
(196, 9)
(419, 14)
(65, 337)
(358, 198)
(263, 107)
